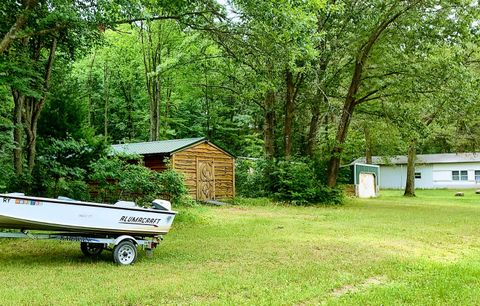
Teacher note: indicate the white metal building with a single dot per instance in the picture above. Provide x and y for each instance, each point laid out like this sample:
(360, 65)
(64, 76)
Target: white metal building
(451, 170)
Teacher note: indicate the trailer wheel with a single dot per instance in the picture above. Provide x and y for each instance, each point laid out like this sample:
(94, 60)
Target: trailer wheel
(91, 249)
(125, 253)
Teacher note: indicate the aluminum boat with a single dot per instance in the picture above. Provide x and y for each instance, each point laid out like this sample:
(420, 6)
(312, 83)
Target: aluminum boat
(18, 211)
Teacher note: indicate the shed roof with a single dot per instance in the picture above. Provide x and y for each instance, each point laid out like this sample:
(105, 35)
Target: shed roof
(443, 158)
(160, 147)
(156, 147)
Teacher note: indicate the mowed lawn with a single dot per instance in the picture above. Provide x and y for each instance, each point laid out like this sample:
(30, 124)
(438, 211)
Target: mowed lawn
(390, 250)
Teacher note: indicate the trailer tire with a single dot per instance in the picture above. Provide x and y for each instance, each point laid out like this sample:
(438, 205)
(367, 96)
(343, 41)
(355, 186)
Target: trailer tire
(91, 249)
(125, 253)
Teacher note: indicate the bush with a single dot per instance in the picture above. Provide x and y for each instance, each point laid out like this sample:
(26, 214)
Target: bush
(123, 177)
(60, 169)
(295, 181)
(250, 177)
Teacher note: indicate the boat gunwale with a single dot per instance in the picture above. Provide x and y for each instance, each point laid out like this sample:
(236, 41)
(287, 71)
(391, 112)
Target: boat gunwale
(87, 229)
(92, 204)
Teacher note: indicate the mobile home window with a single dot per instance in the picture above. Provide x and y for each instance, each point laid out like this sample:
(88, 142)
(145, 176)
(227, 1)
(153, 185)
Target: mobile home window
(460, 175)
(418, 175)
(477, 176)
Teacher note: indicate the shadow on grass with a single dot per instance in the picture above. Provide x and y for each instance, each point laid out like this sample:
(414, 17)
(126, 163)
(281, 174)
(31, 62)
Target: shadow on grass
(56, 259)
(51, 256)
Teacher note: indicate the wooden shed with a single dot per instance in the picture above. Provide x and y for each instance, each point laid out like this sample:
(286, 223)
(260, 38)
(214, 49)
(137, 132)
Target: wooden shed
(209, 170)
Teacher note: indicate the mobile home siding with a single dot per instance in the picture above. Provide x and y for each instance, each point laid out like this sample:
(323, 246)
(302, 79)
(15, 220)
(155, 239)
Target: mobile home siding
(395, 176)
(433, 176)
(442, 175)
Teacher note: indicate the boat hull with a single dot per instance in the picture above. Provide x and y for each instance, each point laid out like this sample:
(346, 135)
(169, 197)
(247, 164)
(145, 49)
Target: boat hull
(31, 213)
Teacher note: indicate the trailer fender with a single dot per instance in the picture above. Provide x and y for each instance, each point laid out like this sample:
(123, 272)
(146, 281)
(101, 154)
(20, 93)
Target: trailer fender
(125, 237)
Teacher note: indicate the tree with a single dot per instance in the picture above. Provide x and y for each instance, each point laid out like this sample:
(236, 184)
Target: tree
(23, 14)
(29, 67)
(275, 42)
(394, 11)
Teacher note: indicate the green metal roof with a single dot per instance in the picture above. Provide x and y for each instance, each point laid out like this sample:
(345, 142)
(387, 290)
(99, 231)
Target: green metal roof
(365, 168)
(156, 147)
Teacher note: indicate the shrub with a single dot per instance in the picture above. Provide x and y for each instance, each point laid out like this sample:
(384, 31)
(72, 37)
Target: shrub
(296, 181)
(123, 177)
(293, 181)
(60, 169)
(250, 177)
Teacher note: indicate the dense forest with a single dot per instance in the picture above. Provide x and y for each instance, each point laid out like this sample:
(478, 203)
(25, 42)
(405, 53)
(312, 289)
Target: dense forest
(295, 89)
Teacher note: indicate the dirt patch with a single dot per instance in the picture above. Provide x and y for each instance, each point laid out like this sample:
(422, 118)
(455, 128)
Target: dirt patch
(369, 282)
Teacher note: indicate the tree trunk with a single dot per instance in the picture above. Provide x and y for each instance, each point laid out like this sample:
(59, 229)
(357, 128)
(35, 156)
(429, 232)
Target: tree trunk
(289, 109)
(320, 98)
(207, 105)
(32, 109)
(269, 124)
(410, 183)
(149, 64)
(334, 163)
(313, 131)
(292, 91)
(351, 100)
(19, 100)
(31, 125)
(158, 101)
(20, 22)
(91, 108)
(106, 98)
(168, 99)
(368, 144)
(127, 94)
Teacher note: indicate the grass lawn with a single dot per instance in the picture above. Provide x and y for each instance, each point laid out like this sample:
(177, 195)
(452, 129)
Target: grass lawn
(389, 250)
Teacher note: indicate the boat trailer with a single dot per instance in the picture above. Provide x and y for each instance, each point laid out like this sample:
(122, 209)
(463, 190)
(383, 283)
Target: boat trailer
(124, 247)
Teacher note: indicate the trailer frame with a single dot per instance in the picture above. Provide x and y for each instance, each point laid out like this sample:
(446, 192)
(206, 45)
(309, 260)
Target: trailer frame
(123, 246)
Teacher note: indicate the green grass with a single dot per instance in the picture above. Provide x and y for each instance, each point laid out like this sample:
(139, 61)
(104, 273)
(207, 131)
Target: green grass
(389, 250)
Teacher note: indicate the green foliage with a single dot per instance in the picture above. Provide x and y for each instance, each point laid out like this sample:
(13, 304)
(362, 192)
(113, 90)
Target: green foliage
(212, 71)
(62, 167)
(250, 177)
(64, 115)
(19, 183)
(124, 178)
(295, 181)
(6, 141)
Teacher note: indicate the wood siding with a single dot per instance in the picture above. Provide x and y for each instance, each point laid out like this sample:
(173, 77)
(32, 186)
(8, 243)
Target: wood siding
(187, 161)
(155, 162)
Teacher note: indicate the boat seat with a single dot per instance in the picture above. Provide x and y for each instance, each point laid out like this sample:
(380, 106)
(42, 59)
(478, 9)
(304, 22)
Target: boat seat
(125, 204)
(18, 194)
(161, 205)
(66, 199)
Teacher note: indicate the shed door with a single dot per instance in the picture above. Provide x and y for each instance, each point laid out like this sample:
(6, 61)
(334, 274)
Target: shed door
(205, 180)
(366, 186)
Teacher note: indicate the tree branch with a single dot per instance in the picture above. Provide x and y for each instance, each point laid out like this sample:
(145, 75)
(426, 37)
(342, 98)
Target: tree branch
(172, 17)
(217, 86)
(369, 94)
(20, 22)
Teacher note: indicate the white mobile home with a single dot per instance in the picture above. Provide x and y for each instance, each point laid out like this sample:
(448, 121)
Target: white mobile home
(451, 170)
